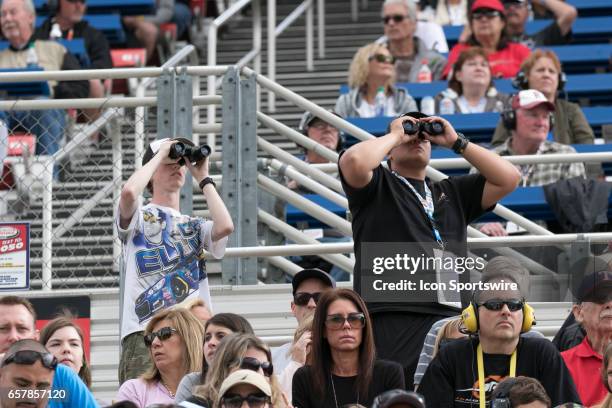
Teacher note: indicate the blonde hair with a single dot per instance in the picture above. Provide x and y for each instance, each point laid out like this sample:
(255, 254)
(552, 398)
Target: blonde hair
(231, 350)
(446, 332)
(191, 332)
(360, 67)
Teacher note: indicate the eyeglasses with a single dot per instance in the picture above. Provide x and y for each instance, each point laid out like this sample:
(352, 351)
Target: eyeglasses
(253, 364)
(397, 18)
(488, 14)
(164, 334)
(336, 321)
(76, 1)
(514, 305)
(382, 58)
(319, 125)
(303, 298)
(29, 357)
(252, 400)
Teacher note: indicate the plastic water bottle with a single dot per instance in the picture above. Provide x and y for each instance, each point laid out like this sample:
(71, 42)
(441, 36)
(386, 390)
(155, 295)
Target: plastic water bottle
(447, 107)
(56, 32)
(380, 101)
(428, 105)
(499, 107)
(31, 57)
(424, 74)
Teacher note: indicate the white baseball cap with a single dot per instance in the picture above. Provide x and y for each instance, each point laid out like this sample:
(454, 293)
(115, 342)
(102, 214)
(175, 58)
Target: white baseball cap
(529, 99)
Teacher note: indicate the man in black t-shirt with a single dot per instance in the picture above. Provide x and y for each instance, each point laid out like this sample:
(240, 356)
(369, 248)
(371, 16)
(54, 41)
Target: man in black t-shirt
(399, 206)
(557, 33)
(498, 317)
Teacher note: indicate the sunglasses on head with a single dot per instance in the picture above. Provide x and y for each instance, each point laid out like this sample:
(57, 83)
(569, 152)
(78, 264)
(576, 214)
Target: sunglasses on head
(253, 400)
(302, 298)
(253, 364)
(397, 18)
(488, 14)
(382, 58)
(29, 357)
(336, 321)
(164, 334)
(514, 305)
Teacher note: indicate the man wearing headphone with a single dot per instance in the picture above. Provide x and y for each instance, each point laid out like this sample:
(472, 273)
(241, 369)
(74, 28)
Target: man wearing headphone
(529, 122)
(466, 371)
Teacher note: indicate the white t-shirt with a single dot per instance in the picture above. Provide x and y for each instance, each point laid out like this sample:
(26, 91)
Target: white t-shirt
(467, 108)
(163, 263)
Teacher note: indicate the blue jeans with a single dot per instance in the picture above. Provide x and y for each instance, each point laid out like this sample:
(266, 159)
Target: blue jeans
(182, 18)
(48, 126)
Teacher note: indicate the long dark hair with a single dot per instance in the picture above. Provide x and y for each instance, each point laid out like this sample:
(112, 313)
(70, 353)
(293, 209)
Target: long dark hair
(321, 351)
(231, 321)
(504, 39)
(59, 323)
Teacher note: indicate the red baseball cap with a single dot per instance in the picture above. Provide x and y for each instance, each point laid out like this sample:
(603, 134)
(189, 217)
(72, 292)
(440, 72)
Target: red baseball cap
(489, 4)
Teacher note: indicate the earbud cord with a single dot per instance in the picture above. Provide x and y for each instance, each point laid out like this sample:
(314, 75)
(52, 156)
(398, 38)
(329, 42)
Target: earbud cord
(481, 374)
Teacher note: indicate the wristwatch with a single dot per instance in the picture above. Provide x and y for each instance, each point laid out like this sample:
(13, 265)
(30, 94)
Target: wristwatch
(205, 181)
(460, 144)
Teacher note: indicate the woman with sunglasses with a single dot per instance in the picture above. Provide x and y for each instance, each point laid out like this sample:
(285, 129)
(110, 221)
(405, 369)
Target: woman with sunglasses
(239, 351)
(470, 87)
(215, 330)
(174, 338)
(372, 69)
(245, 386)
(487, 20)
(64, 339)
(344, 367)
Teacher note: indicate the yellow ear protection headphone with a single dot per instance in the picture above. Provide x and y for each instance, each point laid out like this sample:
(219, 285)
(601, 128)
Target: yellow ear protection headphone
(469, 316)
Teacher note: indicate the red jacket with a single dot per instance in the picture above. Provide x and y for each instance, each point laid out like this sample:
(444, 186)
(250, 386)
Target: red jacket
(504, 63)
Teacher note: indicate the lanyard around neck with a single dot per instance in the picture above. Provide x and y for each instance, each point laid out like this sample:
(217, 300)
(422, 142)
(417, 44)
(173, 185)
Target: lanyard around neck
(428, 206)
(481, 373)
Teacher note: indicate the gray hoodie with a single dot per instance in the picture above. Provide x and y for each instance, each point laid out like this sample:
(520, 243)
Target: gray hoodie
(347, 104)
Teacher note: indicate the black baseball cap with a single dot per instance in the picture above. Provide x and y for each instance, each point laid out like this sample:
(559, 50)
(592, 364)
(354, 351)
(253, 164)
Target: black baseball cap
(314, 273)
(392, 397)
(154, 147)
(591, 280)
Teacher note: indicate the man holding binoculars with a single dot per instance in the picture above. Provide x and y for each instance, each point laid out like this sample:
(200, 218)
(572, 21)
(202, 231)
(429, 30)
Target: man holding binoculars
(163, 260)
(398, 205)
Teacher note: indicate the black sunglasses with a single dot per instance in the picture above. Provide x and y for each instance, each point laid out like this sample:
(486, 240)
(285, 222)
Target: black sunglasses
(302, 298)
(514, 305)
(382, 58)
(397, 18)
(164, 334)
(336, 321)
(253, 364)
(29, 357)
(252, 400)
(488, 14)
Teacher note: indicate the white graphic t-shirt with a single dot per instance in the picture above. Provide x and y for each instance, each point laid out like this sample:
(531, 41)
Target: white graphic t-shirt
(163, 263)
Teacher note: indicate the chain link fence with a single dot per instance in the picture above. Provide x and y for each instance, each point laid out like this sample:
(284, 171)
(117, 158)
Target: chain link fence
(62, 171)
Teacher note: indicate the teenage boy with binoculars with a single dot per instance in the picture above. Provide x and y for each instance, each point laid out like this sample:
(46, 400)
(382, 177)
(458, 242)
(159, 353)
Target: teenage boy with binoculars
(400, 205)
(163, 261)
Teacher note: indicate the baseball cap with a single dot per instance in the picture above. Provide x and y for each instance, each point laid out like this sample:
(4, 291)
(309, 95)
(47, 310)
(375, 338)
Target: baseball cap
(308, 118)
(488, 4)
(529, 99)
(314, 273)
(591, 279)
(392, 397)
(154, 147)
(245, 377)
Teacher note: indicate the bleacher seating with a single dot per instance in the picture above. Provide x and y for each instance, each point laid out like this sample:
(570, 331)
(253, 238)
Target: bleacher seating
(594, 88)
(24, 89)
(126, 7)
(588, 8)
(587, 30)
(479, 127)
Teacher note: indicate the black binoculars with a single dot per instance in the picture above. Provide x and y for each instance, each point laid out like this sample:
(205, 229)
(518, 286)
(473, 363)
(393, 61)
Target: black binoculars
(194, 154)
(434, 128)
